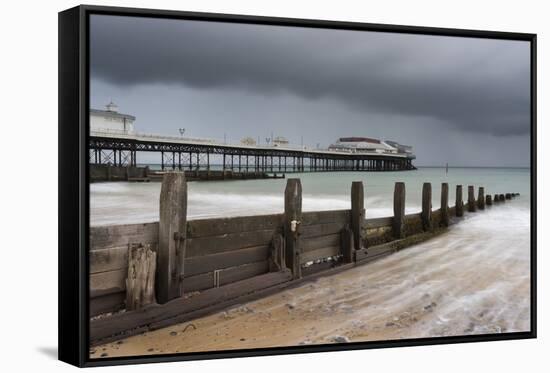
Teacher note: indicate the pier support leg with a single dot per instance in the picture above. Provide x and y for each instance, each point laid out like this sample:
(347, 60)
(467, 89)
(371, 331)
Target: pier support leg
(292, 223)
(398, 226)
(459, 205)
(444, 205)
(172, 234)
(427, 206)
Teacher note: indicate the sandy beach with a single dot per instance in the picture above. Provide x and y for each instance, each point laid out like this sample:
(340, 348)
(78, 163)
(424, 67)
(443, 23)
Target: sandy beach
(455, 284)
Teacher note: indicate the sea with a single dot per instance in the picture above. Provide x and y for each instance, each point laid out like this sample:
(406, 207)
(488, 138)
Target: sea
(486, 257)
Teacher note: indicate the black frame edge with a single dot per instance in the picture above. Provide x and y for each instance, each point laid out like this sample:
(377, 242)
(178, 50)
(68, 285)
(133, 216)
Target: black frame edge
(71, 300)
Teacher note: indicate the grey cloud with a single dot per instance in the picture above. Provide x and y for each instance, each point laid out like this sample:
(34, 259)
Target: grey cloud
(475, 85)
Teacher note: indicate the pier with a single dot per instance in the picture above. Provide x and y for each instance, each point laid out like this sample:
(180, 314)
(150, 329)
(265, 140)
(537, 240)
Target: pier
(175, 270)
(120, 149)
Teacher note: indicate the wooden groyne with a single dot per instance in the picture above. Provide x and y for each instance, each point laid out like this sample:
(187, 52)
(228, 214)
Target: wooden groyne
(107, 172)
(148, 276)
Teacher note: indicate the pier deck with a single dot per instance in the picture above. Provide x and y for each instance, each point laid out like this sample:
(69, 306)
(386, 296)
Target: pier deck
(180, 153)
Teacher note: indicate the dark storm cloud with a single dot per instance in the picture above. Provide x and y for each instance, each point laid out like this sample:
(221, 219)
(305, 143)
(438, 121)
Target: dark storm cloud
(473, 85)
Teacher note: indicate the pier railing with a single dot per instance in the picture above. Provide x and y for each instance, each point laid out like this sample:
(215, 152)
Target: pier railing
(146, 276)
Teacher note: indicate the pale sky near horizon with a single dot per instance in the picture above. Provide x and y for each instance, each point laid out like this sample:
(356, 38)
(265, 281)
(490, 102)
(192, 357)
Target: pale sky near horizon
(464, 101)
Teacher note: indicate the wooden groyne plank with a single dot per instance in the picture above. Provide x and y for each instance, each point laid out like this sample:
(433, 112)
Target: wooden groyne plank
(108, 282)
(328, 216)
(110, 259)
(374, 223)
(107, 303)
(227, 242)
(323, 229)
(220, 226)
(208, 263)
(321, 241)
(122, 235)
(224, 276)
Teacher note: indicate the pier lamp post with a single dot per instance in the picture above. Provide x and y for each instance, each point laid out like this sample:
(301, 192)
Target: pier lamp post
(182, 131)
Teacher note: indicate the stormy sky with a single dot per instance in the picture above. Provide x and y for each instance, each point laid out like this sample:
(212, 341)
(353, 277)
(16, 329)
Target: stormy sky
(464, 101)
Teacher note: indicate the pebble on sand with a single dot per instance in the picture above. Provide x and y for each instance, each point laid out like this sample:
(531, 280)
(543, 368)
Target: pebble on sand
(339, 339)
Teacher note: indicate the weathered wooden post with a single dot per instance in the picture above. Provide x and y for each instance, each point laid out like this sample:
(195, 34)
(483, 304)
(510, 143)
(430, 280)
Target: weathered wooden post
(426, 214)
(172, 234)
(501, 198)
(357, 212)
(140, 282)
(508, 196)
(496, 199)
(444, 205)
(481, 198)
(292, 222)
(471, 199)
(488, 200)
(347, 244)
(459, 206)
(399, 210)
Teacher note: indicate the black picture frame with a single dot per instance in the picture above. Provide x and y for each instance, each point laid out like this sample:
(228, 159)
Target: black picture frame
(74, 183)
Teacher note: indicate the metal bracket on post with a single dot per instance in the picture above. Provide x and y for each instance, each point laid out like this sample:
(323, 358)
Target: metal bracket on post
(217, 278)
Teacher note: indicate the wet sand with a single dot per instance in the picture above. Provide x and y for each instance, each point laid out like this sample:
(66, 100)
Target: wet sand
(455, 284)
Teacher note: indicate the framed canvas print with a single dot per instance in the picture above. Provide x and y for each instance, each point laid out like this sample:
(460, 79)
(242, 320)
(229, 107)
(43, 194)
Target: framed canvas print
(238, 186)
